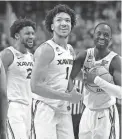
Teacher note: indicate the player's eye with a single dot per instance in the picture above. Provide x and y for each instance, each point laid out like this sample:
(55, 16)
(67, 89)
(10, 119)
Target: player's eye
(27, 33)
(58, 19)
(98, 33)
(68, 20)
(106, 35)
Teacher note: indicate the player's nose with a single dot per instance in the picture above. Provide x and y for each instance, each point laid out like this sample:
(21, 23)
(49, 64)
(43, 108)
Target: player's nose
(101, 36)
(63, 22)
(32, 36)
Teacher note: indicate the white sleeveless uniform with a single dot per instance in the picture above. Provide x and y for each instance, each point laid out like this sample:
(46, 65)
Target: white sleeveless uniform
(100, 112)
(19, 94)
(52, 117)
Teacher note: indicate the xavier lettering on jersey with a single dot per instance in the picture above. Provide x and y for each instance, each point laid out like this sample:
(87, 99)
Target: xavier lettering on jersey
(65, 62)
(24, 63)
(93, 64)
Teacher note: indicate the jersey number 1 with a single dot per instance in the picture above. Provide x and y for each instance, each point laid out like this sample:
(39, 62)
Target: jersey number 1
(67, 73)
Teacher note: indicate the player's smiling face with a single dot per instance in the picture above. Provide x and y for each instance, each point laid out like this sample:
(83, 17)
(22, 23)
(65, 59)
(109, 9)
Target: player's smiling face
(102, 36)
(27, 36)
(62, 24)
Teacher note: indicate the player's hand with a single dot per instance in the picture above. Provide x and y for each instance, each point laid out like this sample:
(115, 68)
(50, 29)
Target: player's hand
(89, 77)
(75, 96)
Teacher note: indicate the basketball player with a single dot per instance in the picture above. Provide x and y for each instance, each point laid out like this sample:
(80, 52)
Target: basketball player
(53, 63)
(18, 64)
(100, 117)
(3, 102)
(77, 109)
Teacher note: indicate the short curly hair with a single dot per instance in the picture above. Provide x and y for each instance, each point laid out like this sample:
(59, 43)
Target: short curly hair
(19, 24)
(58, 9)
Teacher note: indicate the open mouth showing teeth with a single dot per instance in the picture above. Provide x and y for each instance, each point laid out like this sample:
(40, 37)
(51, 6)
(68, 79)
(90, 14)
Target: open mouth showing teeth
(101, 42)
(63, 29)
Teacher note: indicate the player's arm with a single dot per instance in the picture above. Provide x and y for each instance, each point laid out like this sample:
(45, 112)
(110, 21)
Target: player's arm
(7, 58)
(3, 103)
(76, 69)
(111, 89)
(43, 56)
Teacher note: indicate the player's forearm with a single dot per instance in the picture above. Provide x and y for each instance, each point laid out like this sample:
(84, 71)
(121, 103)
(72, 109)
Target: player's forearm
(3, 112)
(111, 89)
(45, 91)
(70, 85)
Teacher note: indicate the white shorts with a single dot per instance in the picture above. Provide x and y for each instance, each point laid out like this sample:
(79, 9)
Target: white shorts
(102, 124)
(19, 121)
(47, 124)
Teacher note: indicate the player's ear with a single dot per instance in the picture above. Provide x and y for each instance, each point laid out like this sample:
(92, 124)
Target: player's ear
(16, 36)
(52, 26)
(110, 38)
(110, 41)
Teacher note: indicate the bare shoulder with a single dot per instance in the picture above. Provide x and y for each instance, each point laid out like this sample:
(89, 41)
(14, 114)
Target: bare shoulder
(115, 67)
(116, 62)
(7, 56)
(44, 51)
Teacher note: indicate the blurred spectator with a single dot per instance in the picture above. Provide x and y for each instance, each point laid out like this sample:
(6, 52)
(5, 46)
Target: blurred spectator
(109, 12)
(116, 45)
(40, 35)
(88, 15)
(3, 41)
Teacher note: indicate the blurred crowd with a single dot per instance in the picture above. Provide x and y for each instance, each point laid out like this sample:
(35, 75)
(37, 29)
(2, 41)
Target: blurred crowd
(89, 14)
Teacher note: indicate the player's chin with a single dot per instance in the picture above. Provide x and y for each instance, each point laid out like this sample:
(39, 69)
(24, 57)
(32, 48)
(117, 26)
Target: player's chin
(100, 46)
(65, 35)
(30, 45)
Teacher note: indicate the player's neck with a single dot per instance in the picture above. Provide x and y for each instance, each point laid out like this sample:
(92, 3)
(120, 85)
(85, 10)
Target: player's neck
(20, 47)
(60, 41)
(100, 54)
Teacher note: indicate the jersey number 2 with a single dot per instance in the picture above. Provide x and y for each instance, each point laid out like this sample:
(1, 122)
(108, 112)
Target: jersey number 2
(29, 71)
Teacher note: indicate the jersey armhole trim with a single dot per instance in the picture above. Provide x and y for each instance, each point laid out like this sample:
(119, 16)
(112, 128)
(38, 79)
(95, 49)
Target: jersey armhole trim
(13, 57)
(110, 68)
(85, 59)
(53, 51)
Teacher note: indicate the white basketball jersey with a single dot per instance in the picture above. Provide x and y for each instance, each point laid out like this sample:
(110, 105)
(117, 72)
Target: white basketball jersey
(18, 77)
(101, 99)
(58, 73)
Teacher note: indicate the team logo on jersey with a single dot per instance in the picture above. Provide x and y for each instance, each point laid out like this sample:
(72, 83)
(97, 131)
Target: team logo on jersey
(18, 55)
(57, 49)
(104, 62)
(32, 57)
(90, 57)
